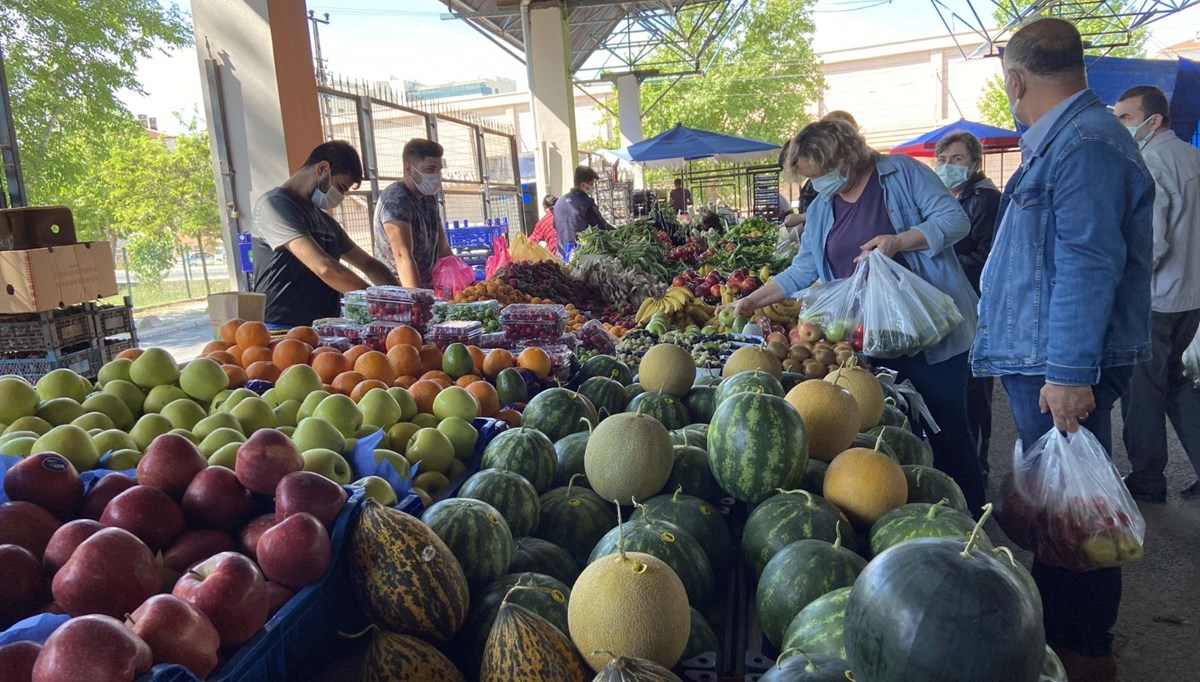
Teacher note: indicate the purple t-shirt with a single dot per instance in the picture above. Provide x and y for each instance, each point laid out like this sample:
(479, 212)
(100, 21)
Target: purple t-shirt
(855, 224)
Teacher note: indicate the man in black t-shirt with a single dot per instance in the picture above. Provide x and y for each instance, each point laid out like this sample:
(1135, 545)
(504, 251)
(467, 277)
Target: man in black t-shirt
(298, 247)
(409, 235)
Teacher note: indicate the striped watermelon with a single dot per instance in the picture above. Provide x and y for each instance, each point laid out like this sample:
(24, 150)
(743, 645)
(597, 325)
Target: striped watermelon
(797, 576)
(667, 409)
(817, 629)
(754, 381)
(691, 472)
(699, 518)
(908, 447)
(788, 517)
(921, 520)
(863, 440)
(673, 545)
(510, 493)
(789, 380)
(814, 476)
(575, 519)
(701, 402)
(892, 416)
(549, 602)
(604, 366)
(692, 437)
(525, 451)
(569, 452)
(926, 484)
(703, 648)
(535, 555)
(476, 533)
(607, 395)
(701, 429)
(756, 445)
(804, 667)
(558, 412)
(634, 390)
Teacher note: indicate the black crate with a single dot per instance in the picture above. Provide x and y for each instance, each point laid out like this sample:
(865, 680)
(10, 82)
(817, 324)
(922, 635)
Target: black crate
(110, 348)
(85, 362)
(113, 320)
(46, 332)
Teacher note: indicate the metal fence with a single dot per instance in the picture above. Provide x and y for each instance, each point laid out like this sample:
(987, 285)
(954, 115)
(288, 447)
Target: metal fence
(480, 180)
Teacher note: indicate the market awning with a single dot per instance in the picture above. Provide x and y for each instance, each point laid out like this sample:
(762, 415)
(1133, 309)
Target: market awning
(992, 138)
(681, 144)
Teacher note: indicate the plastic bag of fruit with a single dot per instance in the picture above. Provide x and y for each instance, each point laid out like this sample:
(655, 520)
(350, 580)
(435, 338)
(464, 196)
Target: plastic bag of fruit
(833, 310)
(522, 249)
(499, 257)
(1065, 502)
(902, 313)
(451, 275)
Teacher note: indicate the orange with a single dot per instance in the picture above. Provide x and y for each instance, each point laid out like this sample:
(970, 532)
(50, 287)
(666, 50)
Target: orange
(466, 380)
(236, 351)
(290, 352)
(485, 394)
(253, 334)
(511, 417)
(535, 360)
(496, 361)
(423, 392)
(264, 370)
(228, 330)
(363, 386)
(402, 334)
(237, 375)
(306, 334)
(328, 388)
(214, 346)
(431, 357)
(438, 375)
(318, 351)
(346, 381)
(329, 365)
(255, 354)
(477, 356)
(353, 352)
(375, 365)
(131, 353)
(405, 381)
(406, 360)
(223, 357)
(274, 342)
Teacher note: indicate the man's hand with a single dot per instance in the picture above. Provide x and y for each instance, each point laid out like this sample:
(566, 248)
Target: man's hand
(1069, 405)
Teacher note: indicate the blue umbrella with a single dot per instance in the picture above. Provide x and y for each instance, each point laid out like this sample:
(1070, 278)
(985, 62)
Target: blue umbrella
(991, 137)
(686, 144)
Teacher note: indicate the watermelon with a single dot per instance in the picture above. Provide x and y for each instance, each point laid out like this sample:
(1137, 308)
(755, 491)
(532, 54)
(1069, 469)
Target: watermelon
(667, 409)
(535, 555)
(892, 395)
(666, 541)
(755, 381)
(558, 413)
(691, 473)
(524, 451)
(703, 649)
(805, 667)
(708, 380)
(892, 416)
(926, 484)
(862, 440)
(689, 437)
(814, 476)
(699, 518)
(908, 447)
(798, 575)
(604, 366)
(549, 602)
(510, 493)
(607, 395)
(756, 445)
(575, 518)
(701, 402)
(477, 535)
(634, 390)
(788, 517)
(701, 429)
(1052, 667)
(570, 459)
(817, 629)
(790, 380)
(921, 520)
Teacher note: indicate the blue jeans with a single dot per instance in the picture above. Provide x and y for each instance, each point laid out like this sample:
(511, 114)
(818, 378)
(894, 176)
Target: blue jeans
(1079, 609)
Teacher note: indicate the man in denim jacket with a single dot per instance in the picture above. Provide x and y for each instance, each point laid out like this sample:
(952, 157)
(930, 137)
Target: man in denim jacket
(1065, 304)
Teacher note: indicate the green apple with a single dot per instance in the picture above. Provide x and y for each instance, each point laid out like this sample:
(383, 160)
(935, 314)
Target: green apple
(457, 468)
(286, 430)
(313, 433)
(71, 442)
(161, 396)
(399, 435)
(225, 456)
(455, 401)
(154, 367)
(340, 411)
(129, 394)
(461, 434)
(202, 379)
(408, 406)
(364, 431)
(63, 383)
(432, 482)
(13, 435)
(120, 460)
(111, 405)
(149, 427)
(186, 434)
(220, 420)
(431, 448)
(378, 489)
(21, 447)
(59, 411)
(18, 398)
(328, 463)
(350, 445)
(379, 409)
(426, 500)
(219, 439)
(113, 440)
(184, 414)
(94, 420)
(214, 405)
(235, 396)
(310, 402)
(286, 412)
(31, 423)
(297, 382)
(272, 397)
(254, 413)
(113, 370)
(398, 461)
(425, 421)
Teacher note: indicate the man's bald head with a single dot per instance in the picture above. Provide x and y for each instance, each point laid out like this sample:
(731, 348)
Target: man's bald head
(1049, 49)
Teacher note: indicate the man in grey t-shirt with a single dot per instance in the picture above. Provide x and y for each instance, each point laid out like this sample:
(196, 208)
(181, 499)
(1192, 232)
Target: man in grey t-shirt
(408, 228)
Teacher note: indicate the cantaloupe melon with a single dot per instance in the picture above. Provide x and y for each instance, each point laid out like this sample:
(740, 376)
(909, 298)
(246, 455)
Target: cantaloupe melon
(667, 368)
(865, 484)
(831, 417)
(750, 358)
(866, 390)
(628, 457)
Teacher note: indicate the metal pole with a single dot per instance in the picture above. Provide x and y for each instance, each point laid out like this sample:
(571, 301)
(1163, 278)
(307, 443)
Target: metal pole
(187, 282)
(216, 119)
(366, 131)
(8, 148)
(128, 281)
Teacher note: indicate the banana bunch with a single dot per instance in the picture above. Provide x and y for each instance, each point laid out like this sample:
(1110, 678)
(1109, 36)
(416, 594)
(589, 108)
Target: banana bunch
(677, 306)
(784, 312)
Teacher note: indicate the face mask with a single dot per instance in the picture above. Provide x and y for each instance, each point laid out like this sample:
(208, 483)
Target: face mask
(329, 199)
(1134, 130)
(953, 176)
(829, 184)
(428, 184)
(1012, 109)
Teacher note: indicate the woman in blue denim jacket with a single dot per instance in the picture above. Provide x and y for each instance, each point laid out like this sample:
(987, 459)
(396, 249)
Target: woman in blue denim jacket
(898, 205)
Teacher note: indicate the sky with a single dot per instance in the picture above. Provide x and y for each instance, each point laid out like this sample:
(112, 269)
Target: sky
(377, 40)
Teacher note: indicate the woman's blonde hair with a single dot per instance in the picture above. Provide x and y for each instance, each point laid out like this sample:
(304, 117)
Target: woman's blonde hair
(829, 144)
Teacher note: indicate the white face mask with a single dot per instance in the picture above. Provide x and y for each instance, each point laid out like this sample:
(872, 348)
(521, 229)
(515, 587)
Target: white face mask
(427, 184)
(953, 176)
(1012, 108)
(1134, 130)
(329, 199)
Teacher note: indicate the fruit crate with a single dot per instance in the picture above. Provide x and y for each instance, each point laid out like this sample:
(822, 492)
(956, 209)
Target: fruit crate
(84, 361)
(47, 332)
(110, 348)
(113, 320)
(468, 238)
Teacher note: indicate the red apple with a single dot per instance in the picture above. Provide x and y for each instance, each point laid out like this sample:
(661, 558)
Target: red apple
(95, 648)
(714, 290)
(277, 596)
(195, 546)
(111, 572)
(215, 499)
(21, 585)
(248, 539)
(106, 488)
(27, 525)
(148, 513)
(265, 458)
(65, 540)
(169, 464)
(17, 660)
(306, 491)
(177, 632)
(678, 281)
(48, 480)
(295, 551)
(231, 591)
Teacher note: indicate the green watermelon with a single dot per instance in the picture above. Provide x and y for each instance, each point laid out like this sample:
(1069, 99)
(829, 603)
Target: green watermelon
(701, 402)
(926, 484)
(1052, 667)
(862, 440)
(548, 601)
(703, 649)
(511, 387)
(921, 520)
(575, 518)
(789, 380)
(476, 534)
(788, 517)
(667, 409)
(797, 576)
(893, 417)
(805, 667)
(817, 629)
(525, 451)
(558, 413)
(607, 395)
(634, 390)
(691, 472)
(689, 437)
(604, 366)
(699, 518)
(510, 493)
(908, 447)
(701, 429)
(1024, 577)
(535, 555)
(892, 395)
(666, 541)
(756, 445)
(814, 476)
(708, 380)
(755, 381)
(570, 459)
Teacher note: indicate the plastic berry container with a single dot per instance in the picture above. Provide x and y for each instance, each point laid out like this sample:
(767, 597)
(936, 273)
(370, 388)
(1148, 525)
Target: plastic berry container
(354, 307)
(444, 311)
(534, 321)
(339, 343)
(594, 336)
(375, 332)
(331, 326)
(494, 340)
(570, 341)
(398, 304)
(467, 332)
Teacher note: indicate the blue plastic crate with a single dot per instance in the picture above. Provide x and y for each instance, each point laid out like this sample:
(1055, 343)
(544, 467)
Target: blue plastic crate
(473, 237)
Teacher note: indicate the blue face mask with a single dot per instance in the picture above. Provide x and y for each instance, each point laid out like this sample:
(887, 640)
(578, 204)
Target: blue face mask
(829, 184)
(1134, 130)
(953, 176)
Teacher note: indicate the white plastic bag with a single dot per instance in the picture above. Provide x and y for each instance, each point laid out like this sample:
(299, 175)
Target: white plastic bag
(902, 313)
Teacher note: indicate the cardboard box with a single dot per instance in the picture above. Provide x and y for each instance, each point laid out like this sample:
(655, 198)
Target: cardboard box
(70, 278)
(28, 281)
(36, 227)
(234, 304)
(99, 271)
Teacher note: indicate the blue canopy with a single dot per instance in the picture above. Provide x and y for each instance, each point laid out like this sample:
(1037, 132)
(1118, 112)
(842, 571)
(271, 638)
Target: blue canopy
(991, 137)
(685, 144)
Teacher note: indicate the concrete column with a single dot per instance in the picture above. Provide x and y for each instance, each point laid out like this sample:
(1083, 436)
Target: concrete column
(547, 54)
(629, 106)
(268, 96)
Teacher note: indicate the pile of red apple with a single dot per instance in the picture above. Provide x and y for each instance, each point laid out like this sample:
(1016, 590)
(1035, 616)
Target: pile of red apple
(175, 567)
(709, 287)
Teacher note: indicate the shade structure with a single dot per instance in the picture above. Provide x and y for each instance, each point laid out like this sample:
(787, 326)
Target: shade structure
(682, 144)
(992, 138)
